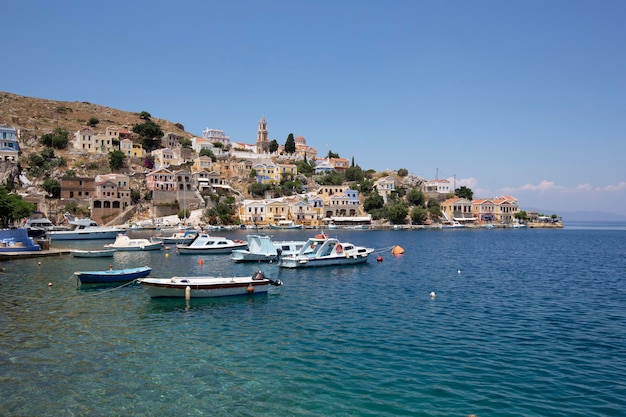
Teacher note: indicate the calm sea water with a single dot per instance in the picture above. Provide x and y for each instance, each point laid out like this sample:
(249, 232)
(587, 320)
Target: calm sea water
(524, 323)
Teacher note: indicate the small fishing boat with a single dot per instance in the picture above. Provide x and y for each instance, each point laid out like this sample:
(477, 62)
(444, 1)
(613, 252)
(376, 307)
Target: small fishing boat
(207, 244)
(286, 225)
(112, 275)
(322, 250)
(180, 237)
(205, 286)
(125, 243)
(261, 248)
(103, 253)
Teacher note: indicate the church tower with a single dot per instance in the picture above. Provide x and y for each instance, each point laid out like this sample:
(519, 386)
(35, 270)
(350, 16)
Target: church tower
(262, 143)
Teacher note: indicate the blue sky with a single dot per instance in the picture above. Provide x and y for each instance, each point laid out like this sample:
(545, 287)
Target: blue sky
(509, 98)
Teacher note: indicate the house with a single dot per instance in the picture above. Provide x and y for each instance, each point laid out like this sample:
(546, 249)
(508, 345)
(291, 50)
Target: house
(111, 196)
(161, 180)
(484, 210)
(253, 212)
(131, 149)
(216, 136)
(505, 208)
(287, 172)
(457, 209)
(9, 147)
(78, 189)
(83, 140)
(434, 187)
(323, 166)
(267, 173)
(385, 186)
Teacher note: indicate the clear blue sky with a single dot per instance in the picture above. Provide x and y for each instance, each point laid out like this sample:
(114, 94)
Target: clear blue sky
(522, 98)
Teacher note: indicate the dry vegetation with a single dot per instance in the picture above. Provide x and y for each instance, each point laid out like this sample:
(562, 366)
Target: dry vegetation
(37, 116)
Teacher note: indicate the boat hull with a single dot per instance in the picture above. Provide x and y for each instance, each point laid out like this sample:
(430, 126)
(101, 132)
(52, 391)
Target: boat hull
(87, 235)
(187, 250)
(107, 253)
(115, 275)
(304, 262)
(203, 287)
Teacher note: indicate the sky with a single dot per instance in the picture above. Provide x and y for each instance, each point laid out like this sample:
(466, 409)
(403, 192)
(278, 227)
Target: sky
(521, 98)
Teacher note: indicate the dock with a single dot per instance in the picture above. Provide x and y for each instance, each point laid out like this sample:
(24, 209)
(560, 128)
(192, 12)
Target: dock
(10, 256)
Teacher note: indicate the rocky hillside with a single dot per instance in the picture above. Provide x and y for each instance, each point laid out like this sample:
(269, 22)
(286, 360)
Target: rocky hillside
(37, 116)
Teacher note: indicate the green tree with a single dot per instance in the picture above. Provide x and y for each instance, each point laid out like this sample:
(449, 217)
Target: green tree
(185, 142)
(419, 215)
(403, 172)
(150, 133)
(52, 187)
(416, 197)
(144, 115)
(305, 168)
(464, 192)
(397, 212)
(290, 144)
(331, 154)
(258, 189)
(521, 215)
(116, 159)
(373, 202)
(93, 121)
(13, 208)
(209, 153)
(135, 196)
(273, 146)
(354, 173)
(332, 178)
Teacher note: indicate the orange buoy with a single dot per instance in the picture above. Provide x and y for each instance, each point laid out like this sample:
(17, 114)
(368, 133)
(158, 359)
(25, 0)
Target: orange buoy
(379, 259)
(200, 261)
(397, 250)
(250, 289)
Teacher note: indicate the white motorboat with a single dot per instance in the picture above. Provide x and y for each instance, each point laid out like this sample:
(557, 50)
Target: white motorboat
(125, 243)
(261, 248)
(207, 244)
(206, 286)
(286, 225)
(322, 250)
(81, 229)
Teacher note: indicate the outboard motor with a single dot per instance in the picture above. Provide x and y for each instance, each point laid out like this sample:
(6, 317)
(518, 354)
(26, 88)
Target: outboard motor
(258, 275)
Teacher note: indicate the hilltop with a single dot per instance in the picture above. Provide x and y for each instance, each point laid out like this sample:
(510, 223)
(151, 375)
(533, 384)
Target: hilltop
(37, 116)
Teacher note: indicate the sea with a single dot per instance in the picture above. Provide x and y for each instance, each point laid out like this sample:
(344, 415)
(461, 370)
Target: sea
(482, 322)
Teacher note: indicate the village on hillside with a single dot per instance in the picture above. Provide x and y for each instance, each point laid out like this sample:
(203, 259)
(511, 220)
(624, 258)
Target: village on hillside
(261, 184)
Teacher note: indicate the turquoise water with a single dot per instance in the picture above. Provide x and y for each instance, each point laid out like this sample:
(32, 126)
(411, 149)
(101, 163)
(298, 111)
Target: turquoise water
(524, 323)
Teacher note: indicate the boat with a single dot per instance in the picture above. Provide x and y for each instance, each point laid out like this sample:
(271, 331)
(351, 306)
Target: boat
(104, 253)
(39, 226)
(207, 244)
(180, 237)
(17, 240)
(285, 225)
(82, 229)
(206, 286)
(125, 243)
(112, 275)
(322, 250)
(261, 248)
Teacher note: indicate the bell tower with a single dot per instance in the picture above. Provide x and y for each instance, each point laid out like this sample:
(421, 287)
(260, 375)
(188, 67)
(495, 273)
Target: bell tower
(262, 143)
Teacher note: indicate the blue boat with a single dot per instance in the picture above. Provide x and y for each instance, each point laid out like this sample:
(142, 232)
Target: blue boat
(17, 240)
(112, 275)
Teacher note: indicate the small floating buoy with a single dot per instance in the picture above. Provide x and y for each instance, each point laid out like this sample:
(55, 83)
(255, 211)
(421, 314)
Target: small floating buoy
(39, 263)
(167, 255)
(432, 294)
(458, 271)
(200, 261)
(187, 292)
(379, 259)
(49, 284)
(397, 250)
(250, 289)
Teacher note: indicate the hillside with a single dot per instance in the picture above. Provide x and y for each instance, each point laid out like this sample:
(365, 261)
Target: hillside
(37, 116)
